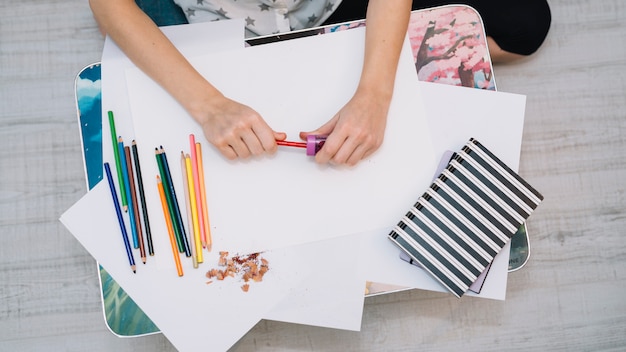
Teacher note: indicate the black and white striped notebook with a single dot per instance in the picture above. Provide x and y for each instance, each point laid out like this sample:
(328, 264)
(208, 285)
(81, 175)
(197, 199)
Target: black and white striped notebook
(466, 216)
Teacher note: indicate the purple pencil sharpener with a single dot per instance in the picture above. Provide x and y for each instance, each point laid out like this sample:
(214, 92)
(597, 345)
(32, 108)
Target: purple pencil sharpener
(314, 143)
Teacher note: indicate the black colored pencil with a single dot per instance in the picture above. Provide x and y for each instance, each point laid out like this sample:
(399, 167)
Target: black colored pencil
(142, 198)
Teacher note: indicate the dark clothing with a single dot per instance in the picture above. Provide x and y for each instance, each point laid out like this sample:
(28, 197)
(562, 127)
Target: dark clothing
(517, 26)
(163, 12)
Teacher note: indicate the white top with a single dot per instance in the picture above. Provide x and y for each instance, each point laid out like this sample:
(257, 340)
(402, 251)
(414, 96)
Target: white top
(262, 17)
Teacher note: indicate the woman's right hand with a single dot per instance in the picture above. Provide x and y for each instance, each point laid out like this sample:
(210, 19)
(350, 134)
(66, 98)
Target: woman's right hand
(236, 130)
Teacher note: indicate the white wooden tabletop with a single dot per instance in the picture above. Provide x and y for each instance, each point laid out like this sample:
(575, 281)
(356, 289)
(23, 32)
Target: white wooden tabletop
(569, 297)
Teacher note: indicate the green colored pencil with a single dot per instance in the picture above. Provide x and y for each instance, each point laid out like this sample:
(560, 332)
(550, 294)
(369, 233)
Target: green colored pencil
(168, 198)
(118, 166)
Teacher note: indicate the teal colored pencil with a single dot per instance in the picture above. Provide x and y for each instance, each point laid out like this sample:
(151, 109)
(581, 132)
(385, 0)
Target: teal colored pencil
(125, 172)
(118, 166)
(168, 198)
(176, 208)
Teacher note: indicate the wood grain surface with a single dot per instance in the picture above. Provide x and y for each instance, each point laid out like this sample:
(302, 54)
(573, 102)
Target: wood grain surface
(569, 297)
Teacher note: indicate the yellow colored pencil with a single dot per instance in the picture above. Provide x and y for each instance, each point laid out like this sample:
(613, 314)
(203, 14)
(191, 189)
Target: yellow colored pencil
(183, 167)
(205, 211)
(194, 210)
(170, 228)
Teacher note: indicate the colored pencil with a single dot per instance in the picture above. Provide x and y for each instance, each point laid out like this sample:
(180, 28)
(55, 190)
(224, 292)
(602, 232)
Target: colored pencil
(194, 208)
(116, 154)
(120, 218)
(170, 230)
(135, 205)
(183, 167)
(126, 177)
(142, 198)
(157, 154)
(292, 144)
(205, 209)
(177, 212)
(169, 189)
(196, 187)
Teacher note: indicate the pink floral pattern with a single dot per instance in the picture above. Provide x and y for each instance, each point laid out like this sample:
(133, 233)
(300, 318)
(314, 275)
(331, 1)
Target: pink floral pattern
(450, 47)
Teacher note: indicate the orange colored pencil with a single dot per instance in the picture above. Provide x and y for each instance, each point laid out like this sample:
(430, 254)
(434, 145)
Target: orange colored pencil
(170, 228)
(205, 211)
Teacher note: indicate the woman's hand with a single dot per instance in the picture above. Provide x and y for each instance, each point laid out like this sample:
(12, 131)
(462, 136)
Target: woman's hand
(236, 130)
(356, 131)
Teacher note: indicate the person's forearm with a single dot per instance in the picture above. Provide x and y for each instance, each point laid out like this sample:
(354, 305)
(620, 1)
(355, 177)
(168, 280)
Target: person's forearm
(142, 41)
(387, 22)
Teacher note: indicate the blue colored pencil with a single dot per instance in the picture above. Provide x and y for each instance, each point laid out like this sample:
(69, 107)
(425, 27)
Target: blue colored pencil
(129, 201)
(120, 219)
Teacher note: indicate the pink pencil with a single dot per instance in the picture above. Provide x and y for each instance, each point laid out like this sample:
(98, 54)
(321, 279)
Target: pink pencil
(196, 178)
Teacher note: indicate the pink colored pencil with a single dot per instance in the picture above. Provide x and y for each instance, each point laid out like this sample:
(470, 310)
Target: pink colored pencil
(196, 178)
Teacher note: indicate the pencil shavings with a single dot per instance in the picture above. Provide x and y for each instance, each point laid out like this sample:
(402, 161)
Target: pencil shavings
(246, 268)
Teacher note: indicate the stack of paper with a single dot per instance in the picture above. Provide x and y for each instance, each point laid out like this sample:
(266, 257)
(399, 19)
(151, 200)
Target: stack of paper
(322, 229)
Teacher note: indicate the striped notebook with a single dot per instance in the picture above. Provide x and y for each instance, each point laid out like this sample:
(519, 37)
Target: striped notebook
(466, 216)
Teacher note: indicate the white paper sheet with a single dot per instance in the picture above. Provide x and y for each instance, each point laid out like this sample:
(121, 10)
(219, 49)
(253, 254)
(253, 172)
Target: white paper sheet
(306, 281)
(333, 295)
(189, 312)
(287, 199)
(455, 114)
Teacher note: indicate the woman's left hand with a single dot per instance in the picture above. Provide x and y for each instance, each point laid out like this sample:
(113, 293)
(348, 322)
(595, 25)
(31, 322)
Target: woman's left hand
(355, 132)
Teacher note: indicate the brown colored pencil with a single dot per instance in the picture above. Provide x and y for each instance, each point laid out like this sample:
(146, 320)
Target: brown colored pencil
(135, 204)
